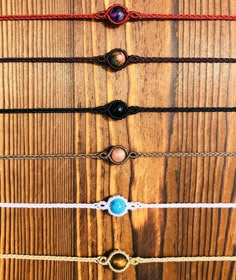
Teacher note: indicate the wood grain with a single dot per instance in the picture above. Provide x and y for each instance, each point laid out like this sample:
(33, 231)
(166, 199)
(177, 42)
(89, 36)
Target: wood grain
(144, 233)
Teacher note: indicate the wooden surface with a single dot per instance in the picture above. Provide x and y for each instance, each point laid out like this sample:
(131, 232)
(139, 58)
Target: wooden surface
(144, 233)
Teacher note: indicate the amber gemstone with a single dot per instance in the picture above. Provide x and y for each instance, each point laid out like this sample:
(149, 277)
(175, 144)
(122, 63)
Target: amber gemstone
(119, 261)
(117, 59)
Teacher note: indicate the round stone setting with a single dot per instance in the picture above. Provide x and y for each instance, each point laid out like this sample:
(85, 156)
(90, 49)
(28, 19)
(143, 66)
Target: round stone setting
(117, 206)
(117, 59)
(117, 14)
(118, 110)
(118, 155)
(119, 261)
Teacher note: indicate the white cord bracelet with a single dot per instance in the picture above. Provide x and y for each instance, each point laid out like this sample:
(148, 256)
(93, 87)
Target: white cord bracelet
(118, 206)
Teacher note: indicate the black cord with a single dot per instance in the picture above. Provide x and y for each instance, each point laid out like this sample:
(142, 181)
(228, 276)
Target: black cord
(118, 110)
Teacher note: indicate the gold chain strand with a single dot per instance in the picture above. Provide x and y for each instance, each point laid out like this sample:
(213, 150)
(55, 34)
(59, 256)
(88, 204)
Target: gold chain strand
(118, 155)
(119, 261)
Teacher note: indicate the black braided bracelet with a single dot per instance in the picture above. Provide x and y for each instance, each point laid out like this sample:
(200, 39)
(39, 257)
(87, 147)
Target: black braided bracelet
(118, 59)
(118, 110)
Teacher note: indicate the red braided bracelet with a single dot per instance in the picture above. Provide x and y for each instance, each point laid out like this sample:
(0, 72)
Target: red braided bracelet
(117, 15)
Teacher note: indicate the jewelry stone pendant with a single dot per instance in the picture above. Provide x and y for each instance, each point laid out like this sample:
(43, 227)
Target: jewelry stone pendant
(117, 59)
(117, 155)
(118, 261)
(117, 14)
(118, 110)
(117, 206)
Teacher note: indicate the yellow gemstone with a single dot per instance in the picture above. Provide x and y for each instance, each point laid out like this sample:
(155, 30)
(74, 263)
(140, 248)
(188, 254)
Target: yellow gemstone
(119, 261)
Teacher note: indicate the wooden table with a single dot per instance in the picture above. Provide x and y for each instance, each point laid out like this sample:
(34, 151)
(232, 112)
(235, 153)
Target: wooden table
(145, 233)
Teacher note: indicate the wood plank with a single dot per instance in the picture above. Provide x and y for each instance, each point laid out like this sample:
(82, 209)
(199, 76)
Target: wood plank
(144, 233)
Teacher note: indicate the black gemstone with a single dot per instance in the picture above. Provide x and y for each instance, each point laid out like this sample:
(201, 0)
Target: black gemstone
(118, 109)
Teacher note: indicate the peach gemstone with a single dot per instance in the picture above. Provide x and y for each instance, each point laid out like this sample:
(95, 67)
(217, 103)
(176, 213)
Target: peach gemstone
(121, 57)
(118, 155)
(117, 58)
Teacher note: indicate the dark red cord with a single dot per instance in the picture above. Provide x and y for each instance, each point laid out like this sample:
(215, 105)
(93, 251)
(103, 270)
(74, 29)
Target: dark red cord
(117, 59)
(117, 15)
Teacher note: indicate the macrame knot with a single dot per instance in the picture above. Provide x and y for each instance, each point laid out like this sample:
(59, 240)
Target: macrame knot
(118, 155)
(117, 110)
(102, 260)
(117, 15)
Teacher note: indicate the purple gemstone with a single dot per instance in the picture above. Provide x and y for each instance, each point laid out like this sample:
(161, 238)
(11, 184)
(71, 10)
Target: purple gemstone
(117, 14)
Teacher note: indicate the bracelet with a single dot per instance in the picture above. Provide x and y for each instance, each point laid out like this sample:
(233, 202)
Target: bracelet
(117, 59)
(118, 110)
(119, 261)
(118, 155)
(118, 206)
(117, 15)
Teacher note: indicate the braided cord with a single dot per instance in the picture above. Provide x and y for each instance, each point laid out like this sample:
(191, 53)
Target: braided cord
(47, 110)
(191, 154)
(109, 59)
(185, 17)
(131, 110)
(47, 17)
(94, 59)
(50, 156)
(104, 205)
(138, 205)
(131, 60)
(105, 156)
(127, 15)
(141, 59)
(50, 258)
(186, 109)
(106, 261)
(184, 259)
(49, 205)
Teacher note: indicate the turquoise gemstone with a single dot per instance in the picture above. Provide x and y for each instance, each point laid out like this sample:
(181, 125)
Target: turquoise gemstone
(118, 206)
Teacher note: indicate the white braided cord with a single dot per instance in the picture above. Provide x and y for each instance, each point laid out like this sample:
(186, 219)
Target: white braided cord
(103, 205)
(102, 260)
